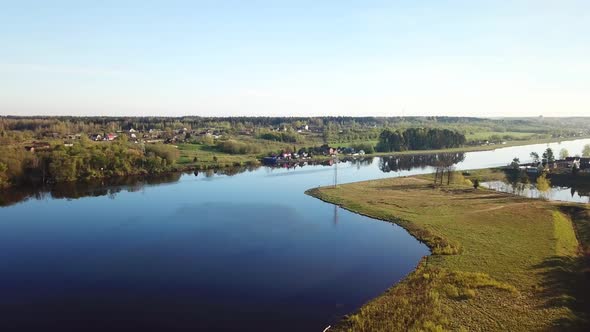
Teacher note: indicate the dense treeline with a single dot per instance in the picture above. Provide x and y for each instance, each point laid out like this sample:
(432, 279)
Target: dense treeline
(84, 160)
(33, 123)
(419, 139)
(280, 137)
(333, 129)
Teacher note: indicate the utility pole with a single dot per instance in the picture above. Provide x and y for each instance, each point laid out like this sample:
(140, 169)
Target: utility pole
(335, 171)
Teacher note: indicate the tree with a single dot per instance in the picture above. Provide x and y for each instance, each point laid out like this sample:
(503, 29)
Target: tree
(475, 183)
(3, 175)
(515, 163)
(586, 151)
(535, 157)
(548, 156)
(563, 153)
(419, 139)
(543, 184)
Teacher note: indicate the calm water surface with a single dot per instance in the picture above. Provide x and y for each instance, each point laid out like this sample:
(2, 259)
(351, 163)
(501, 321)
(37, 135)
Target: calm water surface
(207, 252)
(555, 193)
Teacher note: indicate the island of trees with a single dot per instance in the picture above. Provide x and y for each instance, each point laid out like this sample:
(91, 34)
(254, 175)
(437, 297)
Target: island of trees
(419, 139)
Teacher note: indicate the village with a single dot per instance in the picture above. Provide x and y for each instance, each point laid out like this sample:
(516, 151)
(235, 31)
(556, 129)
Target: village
(548, 164)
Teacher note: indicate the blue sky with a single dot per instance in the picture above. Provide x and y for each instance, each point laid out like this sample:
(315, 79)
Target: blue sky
(385, 58)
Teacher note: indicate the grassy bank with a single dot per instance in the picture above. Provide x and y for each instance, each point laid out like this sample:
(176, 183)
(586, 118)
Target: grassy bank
(499, 262)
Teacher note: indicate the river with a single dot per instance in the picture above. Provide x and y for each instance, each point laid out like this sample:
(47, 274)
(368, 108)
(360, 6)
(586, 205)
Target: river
(247, 251)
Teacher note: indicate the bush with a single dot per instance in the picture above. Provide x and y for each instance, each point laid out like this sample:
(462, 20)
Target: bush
(280, 137)
(3, 175)
(164, 151)
(368, 148)
(235, 147)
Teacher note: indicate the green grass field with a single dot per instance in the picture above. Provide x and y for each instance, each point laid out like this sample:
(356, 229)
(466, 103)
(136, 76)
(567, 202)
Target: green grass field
(206, 155)
(499, 262)
(486, 135)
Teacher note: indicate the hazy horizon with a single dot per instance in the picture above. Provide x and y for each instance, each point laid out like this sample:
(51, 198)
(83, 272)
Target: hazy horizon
(296, 58)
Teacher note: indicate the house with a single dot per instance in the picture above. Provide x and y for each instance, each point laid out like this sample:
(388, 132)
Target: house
(110, 137)
(302, 128)
(96, 137)
(38, 146)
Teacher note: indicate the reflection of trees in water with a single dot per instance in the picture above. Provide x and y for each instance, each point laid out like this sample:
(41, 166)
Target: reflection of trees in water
(520, 183)
(73, 190)
(361, 162)
(105, 187)
(409, 162)
(228, 171)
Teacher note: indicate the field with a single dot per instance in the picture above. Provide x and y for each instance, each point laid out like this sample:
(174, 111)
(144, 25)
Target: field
(487, 135)
(499, 262)
(210, 156)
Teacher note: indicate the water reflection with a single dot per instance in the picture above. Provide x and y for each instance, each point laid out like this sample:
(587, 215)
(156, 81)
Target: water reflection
(564, 187)
(75, 190)
(415, 163)
(422, 161)
(517, 183)
(105, 187)
(112, 186)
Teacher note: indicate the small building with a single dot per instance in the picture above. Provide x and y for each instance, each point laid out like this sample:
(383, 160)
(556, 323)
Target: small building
(38, 146)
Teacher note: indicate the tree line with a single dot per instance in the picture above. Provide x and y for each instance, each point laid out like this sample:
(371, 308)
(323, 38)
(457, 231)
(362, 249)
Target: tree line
(82, 161)
(419, 139)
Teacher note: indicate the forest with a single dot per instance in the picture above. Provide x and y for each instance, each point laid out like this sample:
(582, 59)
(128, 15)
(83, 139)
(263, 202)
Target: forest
(419, 139)
(83, 161)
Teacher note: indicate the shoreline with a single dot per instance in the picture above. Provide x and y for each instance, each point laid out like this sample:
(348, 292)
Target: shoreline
(435, 243)
(256, 161)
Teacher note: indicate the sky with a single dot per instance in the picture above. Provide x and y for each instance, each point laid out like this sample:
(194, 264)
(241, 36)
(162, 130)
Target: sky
(295, 58)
